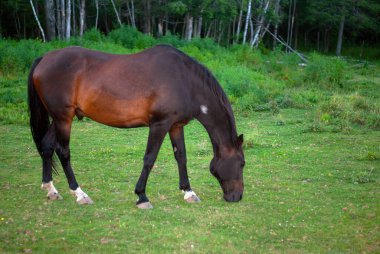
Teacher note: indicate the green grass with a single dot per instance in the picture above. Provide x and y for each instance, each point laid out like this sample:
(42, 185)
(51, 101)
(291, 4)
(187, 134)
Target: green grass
(303, 193)
(311, 146)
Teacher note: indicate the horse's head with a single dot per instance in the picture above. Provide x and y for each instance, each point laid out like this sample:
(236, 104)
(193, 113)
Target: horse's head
(227, 167)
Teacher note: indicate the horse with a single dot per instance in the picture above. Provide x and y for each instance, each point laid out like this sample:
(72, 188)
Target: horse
(161, 88)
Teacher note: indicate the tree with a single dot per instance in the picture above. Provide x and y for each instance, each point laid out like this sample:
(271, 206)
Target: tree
(50, 19)
(38, 21)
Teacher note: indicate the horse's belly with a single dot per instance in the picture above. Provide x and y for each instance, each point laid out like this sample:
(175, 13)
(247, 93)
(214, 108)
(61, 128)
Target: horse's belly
(118, 113)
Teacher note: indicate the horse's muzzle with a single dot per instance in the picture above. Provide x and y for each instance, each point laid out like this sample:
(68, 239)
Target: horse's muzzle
(233, 196)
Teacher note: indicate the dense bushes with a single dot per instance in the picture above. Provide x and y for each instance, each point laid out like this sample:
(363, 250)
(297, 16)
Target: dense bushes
(254, 80)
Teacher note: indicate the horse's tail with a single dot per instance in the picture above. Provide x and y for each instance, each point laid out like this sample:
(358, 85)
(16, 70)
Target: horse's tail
(38, 115)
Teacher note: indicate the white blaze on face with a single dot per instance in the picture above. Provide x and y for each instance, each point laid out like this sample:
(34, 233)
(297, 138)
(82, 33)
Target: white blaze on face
(204, 109)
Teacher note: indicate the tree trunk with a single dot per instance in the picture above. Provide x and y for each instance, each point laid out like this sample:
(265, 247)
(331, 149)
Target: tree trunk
(248, 18)
(68, 20)
(318, 39)
(82, 14)
(74, 19)
(292, 23)
(50, 19)
(276, 12)
(160, 30)
(326, 41)
(116, 12)
(147, 16)
(189, 27)
(199, 31)
(340, 36)
(97, 13)
(195, 27)
(256, 39)
(38, 21)
(289, 22)
(63, 19)
(236, 40)
(59, 18)
(209, 29)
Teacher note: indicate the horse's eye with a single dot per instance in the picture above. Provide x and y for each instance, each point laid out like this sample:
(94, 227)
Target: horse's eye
(242, 164)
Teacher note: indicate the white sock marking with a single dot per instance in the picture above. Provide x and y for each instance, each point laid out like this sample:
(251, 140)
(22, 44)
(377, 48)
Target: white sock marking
(49, 187)
(189, 194)
(204, 109)
(79, 194)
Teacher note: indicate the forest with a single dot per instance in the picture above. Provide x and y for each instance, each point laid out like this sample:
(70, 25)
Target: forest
(348, 27)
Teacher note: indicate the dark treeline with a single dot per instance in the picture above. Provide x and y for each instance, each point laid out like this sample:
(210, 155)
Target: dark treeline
(322, 25)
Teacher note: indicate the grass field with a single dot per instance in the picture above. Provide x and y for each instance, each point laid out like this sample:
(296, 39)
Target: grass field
(305, 192)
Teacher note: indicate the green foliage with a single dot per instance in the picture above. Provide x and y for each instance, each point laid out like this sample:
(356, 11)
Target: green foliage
(342, 112)
(252, 80)
(328, 72)
(131, 38)
(93, 35)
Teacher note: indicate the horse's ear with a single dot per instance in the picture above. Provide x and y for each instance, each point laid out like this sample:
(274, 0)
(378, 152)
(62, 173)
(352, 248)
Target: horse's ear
(240, 140)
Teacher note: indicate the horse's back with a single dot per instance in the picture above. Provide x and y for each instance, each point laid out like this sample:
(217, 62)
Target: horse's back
(117, 90)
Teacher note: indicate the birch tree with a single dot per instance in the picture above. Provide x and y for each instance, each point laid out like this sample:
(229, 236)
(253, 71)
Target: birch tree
(255, 41)
(247, 20)
(82, 13)
(50, 19)
(116, 12)
(68, 20)
(38, 21)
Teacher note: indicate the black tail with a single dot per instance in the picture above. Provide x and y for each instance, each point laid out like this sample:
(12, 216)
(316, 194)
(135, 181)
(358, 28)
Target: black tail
(38, 115)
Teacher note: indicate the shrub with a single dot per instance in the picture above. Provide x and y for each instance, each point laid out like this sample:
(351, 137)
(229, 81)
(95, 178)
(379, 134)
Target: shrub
(328, 72)
(131, 38)
(344, 112)
(93, 35)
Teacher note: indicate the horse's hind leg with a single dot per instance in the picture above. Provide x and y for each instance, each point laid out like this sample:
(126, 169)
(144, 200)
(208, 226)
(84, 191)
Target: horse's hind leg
(178, 142)
(48, 146)
(63, 129)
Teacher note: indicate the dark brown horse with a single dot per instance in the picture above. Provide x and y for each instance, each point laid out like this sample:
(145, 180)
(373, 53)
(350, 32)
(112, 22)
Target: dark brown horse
(160, 87)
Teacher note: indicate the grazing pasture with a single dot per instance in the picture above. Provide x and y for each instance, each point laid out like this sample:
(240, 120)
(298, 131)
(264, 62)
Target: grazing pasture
(312, 151)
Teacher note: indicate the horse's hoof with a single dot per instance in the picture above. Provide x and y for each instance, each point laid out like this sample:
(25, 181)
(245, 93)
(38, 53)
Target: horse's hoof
(145, 205)
(85, 201)
(54, 196)
(193, 199)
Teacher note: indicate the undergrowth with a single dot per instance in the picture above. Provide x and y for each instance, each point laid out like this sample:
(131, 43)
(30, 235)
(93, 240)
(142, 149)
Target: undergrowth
(255, 80)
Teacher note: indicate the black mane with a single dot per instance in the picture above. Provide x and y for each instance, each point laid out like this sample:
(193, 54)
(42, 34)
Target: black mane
(210, 81)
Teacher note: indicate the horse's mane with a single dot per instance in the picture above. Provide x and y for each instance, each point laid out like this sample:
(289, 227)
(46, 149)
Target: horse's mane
(210, 81)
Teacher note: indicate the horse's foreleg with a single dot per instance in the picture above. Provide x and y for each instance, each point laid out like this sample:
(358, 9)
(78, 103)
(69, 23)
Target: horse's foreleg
(48, 145)
(63, 129)
(157, 134)
(178, 142)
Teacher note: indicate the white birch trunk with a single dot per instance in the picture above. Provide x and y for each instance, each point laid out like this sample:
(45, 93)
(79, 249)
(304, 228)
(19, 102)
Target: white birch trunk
(247, 21)
(81, 17)
(256, 40)
(68, 19)
(340, 36)
(38, 22)
(239, 24)
(97, 13)
(189, 27)
(116, 12)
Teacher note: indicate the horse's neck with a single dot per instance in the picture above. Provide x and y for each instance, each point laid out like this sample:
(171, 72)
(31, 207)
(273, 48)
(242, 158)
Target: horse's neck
(216, 122)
